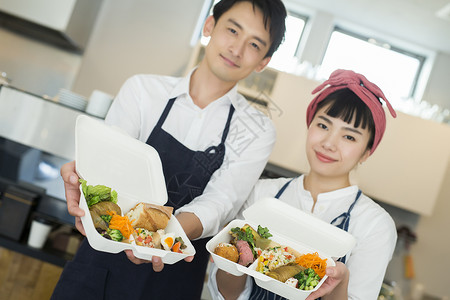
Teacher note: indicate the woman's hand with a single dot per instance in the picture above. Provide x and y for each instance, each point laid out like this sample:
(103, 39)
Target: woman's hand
(71, 187)
(335, 286)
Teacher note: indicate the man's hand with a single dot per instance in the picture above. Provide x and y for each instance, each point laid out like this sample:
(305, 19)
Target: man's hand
(335, 285)
(193, 228)
(71, 187)
(156, 261)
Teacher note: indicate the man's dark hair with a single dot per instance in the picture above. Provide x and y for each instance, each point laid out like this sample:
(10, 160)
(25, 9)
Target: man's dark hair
(274, 14)
(347, 106)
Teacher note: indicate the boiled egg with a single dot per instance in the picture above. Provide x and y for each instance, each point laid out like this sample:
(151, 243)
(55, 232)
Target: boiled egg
(167, 241)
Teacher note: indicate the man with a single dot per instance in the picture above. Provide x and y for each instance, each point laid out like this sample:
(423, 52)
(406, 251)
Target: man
(212, 144)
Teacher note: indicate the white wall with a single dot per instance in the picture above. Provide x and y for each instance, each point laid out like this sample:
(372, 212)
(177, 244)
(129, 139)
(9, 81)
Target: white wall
(433, 245)
(437, 91)
(137, 36)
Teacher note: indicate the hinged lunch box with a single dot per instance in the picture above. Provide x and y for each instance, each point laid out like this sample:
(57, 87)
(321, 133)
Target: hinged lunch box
(290, 227)
(106, 155)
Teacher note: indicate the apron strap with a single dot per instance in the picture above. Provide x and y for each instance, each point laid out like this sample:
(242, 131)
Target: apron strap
(283, 188)
(169, 105)
(165, 113)
(346, 215)
(227, 126)
(221, 147)
(346, 220)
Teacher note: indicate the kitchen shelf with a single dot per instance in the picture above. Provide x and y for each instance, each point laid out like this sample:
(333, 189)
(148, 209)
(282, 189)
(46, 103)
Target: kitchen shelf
(274, 171)
(47, 253)
(50, 208)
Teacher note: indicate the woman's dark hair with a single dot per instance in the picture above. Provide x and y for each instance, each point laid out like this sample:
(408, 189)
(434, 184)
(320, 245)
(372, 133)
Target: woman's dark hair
(274, 14)
(346, 105)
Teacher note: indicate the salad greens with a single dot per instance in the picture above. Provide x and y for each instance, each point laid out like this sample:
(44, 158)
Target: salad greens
(244, 234)
(264, 232)
(97, 193)
(254, 238)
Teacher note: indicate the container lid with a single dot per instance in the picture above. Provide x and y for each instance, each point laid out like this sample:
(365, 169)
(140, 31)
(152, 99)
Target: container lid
(301, 227)
(108, 156)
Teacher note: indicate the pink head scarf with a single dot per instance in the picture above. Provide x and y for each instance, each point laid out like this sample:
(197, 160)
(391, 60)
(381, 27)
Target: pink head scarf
(367, 91)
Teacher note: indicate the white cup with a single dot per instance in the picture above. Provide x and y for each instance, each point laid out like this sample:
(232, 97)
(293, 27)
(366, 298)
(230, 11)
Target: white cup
(99, 103)
(40, 229)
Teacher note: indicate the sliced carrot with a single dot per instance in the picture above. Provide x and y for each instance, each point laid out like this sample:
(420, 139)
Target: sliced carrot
(176, 247)
(121, 223)
(313, 261)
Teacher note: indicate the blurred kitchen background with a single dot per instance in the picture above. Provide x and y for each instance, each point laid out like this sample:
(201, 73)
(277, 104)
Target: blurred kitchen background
(72, 48)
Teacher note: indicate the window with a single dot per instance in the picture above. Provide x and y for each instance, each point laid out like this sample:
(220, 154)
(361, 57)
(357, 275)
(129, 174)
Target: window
(395, 71)
(286, 53)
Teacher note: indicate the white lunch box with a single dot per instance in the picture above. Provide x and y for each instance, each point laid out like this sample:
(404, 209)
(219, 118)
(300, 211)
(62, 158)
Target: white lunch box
(106, 155)
(290, 227)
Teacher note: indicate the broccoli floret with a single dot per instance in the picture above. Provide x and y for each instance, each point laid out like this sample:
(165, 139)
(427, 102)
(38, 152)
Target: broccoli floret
(115, 234)
(106, 218)
(307, 279)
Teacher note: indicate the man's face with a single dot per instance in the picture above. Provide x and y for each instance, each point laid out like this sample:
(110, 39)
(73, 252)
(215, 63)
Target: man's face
(239, 42)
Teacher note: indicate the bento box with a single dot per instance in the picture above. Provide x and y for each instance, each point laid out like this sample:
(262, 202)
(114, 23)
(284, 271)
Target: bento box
(106, 155)
(292, 228)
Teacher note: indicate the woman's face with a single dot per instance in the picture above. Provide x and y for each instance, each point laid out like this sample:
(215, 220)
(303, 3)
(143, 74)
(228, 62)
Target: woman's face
(335, 147)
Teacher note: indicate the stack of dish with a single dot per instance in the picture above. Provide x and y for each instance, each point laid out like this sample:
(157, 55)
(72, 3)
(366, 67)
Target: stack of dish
(99, 103)
(72, 99)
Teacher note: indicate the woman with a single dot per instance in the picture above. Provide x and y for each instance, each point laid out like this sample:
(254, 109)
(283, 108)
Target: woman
(346, 123)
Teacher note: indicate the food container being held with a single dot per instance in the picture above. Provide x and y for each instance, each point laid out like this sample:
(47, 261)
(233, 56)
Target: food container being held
(107, 156)
(290, 227)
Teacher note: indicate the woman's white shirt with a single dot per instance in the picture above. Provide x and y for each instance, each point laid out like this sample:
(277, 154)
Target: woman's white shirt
(370, 224)
(138, 107)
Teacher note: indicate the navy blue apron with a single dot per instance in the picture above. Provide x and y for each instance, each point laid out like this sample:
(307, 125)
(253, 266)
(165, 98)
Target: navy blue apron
(259, 293)
(99, 275)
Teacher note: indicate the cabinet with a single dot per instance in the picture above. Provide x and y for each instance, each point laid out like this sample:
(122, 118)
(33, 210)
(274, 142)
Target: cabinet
(66, 23)
(411, 165)
(36, 122)
(289, 101)
(408, 170)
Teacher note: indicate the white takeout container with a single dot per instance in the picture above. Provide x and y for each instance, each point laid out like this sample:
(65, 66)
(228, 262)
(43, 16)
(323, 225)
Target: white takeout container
(291, 227)
(106, 155)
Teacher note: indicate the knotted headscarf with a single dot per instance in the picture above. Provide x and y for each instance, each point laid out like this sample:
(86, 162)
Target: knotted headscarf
(367, 91)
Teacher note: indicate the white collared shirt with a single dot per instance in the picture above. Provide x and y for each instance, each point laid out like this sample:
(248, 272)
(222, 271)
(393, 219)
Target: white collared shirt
(138, 107)
(370, 224)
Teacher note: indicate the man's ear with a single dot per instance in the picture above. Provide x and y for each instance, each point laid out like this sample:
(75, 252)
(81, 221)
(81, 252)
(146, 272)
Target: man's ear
(209, 26)
(262, 64)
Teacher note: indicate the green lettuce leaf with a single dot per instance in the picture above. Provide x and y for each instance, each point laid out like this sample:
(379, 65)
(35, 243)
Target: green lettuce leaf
(97, 193)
